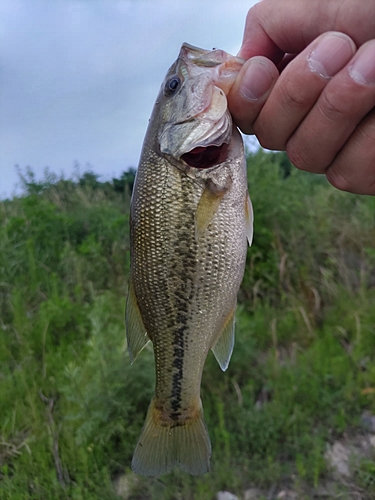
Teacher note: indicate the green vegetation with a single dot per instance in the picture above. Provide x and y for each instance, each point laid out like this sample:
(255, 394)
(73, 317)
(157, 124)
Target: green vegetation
(301, 375)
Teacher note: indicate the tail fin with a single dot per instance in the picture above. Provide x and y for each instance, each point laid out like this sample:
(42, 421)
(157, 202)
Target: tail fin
(162, 447)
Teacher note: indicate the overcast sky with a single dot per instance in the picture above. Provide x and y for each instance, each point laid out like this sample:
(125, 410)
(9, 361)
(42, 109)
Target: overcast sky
(78, 78)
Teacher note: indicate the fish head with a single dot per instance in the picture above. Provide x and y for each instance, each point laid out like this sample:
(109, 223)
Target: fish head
(191, 122)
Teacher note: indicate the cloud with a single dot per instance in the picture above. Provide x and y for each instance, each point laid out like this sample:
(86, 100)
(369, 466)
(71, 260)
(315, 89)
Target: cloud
(79, 78)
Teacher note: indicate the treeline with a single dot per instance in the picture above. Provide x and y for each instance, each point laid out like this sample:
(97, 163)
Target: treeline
(88, 179)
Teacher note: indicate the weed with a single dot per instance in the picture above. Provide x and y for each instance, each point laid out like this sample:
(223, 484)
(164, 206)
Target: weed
(302, 371)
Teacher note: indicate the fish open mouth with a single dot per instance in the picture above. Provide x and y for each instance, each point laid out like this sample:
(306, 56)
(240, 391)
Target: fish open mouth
(206, 157)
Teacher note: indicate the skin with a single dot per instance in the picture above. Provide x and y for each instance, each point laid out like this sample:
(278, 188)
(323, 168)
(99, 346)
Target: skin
(308, 86)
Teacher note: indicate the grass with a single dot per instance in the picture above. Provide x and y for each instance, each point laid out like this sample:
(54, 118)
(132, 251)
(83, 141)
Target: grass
(302, 371)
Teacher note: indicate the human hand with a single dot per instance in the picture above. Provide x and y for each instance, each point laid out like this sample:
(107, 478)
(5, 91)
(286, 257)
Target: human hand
(321, 109)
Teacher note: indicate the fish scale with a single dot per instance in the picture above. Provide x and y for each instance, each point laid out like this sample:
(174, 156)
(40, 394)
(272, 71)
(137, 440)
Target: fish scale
(189, 230)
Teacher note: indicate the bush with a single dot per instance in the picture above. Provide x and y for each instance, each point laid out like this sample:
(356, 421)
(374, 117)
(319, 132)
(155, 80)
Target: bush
(302, 371)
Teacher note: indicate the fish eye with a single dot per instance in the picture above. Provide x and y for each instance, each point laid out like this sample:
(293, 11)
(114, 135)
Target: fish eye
(173, 83)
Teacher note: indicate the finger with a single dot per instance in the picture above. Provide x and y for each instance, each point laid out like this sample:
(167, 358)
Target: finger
(299, 86)
(250, 91)
(272, 31)
(344, 102)
(353, 169)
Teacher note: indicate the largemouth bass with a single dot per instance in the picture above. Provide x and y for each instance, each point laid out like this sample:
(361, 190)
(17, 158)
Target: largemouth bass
(191, 217)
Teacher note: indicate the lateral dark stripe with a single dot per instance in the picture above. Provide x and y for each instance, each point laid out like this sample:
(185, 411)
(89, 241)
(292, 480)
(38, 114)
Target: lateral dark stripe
(185, 249)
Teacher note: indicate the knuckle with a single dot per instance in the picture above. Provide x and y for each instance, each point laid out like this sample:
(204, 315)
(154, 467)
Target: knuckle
(341, 178)
(265, 137)
(335, 178)
(255, 14)
(295, 96)
(252, 14)
(296, 156)
(353, 169)
(365, 134)
(332, 107)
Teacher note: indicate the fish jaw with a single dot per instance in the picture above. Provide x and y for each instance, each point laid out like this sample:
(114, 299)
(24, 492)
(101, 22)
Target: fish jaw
(224, 66)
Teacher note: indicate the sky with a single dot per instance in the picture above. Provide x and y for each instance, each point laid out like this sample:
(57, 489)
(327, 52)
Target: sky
(78, 78)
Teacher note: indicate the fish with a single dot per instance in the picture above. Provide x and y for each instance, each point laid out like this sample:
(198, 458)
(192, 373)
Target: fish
(191, 220)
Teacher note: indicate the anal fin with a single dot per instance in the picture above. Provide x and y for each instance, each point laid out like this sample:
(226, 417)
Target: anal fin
(224, 345)
(136, 334)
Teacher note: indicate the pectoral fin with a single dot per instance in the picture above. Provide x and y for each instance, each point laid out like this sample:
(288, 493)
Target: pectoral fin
(249, 214)
(224, 346)
(136, 334)
(208, 205)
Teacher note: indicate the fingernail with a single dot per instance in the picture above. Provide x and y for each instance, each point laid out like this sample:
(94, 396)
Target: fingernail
(331, 54)
(362, 70)
(256, 81)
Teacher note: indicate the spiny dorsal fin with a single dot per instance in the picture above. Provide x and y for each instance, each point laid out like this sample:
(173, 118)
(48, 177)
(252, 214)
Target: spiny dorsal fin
(208, 205)
(249, 214)
(224, 346)
(136, 334)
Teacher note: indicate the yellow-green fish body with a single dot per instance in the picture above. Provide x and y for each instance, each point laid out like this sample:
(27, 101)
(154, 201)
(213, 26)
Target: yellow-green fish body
(190, 218)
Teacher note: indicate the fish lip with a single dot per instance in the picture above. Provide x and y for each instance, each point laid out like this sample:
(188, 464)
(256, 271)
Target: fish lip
(201, 57)
(225, 67)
